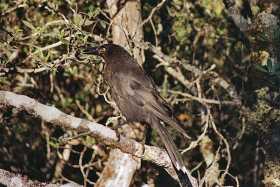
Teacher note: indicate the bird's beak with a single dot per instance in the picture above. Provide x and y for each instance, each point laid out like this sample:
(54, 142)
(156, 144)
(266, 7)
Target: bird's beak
(91, 51)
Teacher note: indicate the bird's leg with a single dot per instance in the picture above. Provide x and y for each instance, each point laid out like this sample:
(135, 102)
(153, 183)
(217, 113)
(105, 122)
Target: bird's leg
(123, 122)
(148, 133)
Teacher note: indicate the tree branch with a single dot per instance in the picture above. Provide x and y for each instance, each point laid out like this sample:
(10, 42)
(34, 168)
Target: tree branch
(103, 134)
(10, 179)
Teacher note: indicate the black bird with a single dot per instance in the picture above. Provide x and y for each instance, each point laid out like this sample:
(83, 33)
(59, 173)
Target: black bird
(138, 100)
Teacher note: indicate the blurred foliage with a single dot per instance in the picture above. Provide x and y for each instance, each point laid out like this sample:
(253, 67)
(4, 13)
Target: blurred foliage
(39, 41)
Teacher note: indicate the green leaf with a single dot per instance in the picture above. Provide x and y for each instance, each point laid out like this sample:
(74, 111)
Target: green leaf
(78, 20)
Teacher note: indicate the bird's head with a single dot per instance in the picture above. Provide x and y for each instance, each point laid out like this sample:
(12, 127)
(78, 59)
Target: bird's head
(106, 51)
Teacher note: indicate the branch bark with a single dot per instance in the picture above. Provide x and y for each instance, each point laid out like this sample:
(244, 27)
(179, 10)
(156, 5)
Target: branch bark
(10, 179)
(126, 25)
(100, 132)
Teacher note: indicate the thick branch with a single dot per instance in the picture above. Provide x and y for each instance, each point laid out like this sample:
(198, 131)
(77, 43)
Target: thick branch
(126, 25)
(103, 134)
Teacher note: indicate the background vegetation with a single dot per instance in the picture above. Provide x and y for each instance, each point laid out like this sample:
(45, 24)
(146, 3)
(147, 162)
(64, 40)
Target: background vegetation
(225, 90)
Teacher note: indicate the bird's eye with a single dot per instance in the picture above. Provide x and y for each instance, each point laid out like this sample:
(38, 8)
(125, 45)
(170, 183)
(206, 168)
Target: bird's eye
(102, 50)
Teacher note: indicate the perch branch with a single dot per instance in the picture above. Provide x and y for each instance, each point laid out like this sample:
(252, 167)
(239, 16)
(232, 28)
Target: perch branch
(104, 134)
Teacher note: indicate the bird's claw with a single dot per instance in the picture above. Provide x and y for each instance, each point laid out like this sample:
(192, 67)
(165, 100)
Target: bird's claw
(112, 120)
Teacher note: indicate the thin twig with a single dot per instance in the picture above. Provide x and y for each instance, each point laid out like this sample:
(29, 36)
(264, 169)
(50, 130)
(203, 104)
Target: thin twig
(157, 7)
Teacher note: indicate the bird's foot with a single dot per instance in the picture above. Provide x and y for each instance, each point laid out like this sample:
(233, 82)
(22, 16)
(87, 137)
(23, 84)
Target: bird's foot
(112, 120)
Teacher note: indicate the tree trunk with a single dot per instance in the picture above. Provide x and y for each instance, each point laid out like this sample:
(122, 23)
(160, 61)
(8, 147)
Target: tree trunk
(126, 19)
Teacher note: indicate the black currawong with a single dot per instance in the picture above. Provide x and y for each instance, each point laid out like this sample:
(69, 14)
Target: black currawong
(136, 97)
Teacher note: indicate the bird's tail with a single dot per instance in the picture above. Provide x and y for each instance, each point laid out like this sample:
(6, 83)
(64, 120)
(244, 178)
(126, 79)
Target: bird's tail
(176, 159)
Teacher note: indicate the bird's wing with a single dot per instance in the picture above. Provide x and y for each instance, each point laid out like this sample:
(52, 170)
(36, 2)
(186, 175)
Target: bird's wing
(141, 90)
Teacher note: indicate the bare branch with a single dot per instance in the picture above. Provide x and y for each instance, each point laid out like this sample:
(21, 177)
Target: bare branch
(165, 60)
(10, 179)
(103, 134)
(159, 5)
(118, 172)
